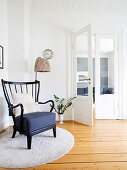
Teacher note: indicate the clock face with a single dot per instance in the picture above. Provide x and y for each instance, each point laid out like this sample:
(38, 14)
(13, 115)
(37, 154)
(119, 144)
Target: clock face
(48, 54)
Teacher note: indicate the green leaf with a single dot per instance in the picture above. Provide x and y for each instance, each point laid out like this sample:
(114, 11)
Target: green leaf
(56, 98)
(59, 106)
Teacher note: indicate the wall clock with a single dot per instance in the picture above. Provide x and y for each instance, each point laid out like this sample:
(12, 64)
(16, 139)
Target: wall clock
(48, 54)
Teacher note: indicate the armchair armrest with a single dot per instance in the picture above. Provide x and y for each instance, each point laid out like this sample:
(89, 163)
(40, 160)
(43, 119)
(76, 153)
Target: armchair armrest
(11, 107)
(52, 106)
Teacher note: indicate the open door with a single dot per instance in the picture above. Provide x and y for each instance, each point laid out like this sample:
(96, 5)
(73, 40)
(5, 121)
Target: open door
(106, 86)
(82, 76)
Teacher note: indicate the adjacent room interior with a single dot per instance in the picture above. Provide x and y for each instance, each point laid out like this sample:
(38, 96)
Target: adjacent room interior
(103, 53)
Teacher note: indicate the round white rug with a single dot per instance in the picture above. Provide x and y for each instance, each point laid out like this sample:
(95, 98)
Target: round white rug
(45, 148)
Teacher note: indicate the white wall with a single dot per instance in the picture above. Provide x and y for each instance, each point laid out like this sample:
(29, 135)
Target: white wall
(35, 25)
(48, 29)
(3, 72)
(18, 40)
(16, 67)
(53, 37)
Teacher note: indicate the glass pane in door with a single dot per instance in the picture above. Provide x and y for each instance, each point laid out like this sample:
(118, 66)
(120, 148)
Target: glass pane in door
(82, 64)
(106, 66)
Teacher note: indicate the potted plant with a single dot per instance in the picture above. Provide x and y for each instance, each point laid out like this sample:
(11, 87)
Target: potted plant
(61, 105)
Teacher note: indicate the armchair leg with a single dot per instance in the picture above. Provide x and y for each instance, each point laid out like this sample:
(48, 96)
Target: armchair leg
(54, 131)
(29, 140)
(14, 132)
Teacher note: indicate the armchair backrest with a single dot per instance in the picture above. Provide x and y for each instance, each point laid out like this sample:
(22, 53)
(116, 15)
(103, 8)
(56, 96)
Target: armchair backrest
(10, 87)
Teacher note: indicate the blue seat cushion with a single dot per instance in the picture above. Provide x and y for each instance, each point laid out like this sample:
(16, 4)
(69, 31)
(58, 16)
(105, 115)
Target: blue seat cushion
(36, 120)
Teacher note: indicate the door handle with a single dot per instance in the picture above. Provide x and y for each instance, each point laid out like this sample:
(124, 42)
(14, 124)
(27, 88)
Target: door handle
(88, 79)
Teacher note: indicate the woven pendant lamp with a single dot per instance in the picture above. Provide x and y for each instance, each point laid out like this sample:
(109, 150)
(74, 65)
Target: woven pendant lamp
(41, 65)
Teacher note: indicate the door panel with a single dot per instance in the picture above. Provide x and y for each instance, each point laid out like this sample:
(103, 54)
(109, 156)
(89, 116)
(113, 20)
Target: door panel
(83, 76)
(106, 94)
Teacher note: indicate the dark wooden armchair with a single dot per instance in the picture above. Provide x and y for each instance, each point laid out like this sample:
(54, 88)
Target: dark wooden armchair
(32, 123)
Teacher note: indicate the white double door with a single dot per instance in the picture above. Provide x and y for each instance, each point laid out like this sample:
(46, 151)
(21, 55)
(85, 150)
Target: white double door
(82, 76)
(95, 56)
(106, 76)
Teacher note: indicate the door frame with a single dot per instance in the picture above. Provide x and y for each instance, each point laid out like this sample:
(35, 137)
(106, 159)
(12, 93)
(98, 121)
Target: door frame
(70, 64)
(112, 97)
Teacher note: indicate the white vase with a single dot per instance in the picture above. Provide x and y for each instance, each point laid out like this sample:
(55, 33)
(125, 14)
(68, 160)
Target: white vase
(60, 119)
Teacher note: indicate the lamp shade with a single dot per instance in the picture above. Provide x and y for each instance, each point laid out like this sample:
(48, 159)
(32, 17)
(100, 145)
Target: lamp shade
(42, 65)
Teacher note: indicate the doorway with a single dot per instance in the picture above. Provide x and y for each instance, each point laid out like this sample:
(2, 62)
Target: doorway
(106, 77)
(95, 80)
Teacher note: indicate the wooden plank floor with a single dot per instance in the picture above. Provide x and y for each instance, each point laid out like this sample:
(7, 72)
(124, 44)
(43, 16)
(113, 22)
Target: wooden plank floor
(101, 147)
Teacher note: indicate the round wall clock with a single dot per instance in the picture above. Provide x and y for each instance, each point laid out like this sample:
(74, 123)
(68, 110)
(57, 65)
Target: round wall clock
(48, 54)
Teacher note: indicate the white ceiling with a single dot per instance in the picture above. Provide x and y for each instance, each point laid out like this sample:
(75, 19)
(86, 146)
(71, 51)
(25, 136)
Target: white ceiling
(80, 4)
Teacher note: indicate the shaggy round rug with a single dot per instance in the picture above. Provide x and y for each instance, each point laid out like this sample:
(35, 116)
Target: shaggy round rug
(45, 148)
